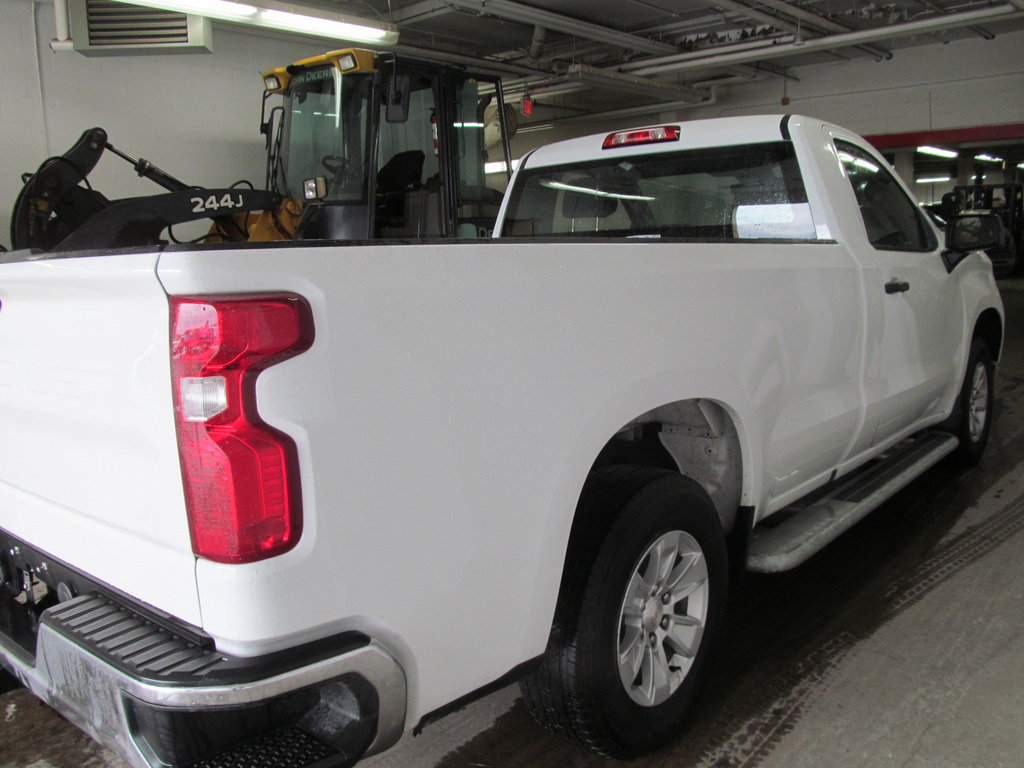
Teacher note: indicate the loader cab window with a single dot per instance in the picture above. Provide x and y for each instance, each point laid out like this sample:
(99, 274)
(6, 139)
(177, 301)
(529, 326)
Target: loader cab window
(325, 133)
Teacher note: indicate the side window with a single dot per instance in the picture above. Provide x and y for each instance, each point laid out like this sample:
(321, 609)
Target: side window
(892, 221)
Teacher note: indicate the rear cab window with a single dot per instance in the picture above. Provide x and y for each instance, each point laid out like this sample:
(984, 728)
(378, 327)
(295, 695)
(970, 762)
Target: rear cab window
(744, 192)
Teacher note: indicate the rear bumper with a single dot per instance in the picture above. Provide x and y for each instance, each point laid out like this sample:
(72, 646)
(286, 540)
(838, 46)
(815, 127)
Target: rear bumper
(160, 698)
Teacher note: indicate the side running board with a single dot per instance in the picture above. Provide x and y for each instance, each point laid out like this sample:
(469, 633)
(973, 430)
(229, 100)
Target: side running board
(805, 530)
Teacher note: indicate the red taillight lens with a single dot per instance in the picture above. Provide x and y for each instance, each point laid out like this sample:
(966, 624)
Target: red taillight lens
(240, 474)
(641, 136)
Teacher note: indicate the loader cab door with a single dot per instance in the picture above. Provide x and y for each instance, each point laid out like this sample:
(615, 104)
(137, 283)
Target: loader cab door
(325, 156)
(431, 179)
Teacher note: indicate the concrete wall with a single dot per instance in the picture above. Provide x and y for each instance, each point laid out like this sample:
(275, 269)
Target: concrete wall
(196, 116)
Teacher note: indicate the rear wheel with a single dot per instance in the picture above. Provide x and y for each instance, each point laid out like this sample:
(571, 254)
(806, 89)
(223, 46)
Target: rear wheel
(642, 599)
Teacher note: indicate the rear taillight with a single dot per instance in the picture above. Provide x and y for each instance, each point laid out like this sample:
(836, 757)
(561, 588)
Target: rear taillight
(641, 136)
(240, 474)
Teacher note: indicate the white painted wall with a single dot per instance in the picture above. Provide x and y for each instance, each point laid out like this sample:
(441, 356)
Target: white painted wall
(196, 116)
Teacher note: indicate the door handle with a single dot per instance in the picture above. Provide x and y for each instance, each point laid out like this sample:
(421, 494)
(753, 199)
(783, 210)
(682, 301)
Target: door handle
(897, 286)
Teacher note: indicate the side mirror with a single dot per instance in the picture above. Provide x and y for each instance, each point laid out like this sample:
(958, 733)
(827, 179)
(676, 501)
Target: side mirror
(975, 232)
(397, 108)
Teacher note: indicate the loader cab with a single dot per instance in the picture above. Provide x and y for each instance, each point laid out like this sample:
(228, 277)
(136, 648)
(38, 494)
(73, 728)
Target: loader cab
(379, 147)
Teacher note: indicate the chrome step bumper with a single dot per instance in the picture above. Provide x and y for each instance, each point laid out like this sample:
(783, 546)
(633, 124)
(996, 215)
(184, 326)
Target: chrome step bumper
(139, 689)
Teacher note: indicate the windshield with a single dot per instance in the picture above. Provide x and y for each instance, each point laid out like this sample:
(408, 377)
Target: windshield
(325, 128)
(750, 191)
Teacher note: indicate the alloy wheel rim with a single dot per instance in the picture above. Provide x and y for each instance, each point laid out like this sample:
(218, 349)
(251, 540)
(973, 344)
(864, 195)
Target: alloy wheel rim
(977, 410)
(662, 618)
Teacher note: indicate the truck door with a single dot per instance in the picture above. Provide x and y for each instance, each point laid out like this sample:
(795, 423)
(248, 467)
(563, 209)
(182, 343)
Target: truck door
(914, 310)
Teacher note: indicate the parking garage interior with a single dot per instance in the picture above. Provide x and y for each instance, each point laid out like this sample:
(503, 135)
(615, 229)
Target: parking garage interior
(902, 644)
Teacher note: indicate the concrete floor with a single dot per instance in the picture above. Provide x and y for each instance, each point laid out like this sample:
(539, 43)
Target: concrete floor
(899, 645)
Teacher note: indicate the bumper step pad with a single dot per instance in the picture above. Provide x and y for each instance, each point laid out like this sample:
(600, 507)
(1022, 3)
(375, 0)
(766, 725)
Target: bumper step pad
(289, 748)
(128, 640)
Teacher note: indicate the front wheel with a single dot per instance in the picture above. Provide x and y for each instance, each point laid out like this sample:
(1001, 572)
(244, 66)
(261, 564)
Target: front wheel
(971, 420)
(641, 603)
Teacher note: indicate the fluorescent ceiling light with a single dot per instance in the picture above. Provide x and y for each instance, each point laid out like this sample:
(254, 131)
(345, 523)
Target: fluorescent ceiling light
(937, 152)
(1020, 165)
(988, 158)
(286, 17)
(933, 180)
(316, 25)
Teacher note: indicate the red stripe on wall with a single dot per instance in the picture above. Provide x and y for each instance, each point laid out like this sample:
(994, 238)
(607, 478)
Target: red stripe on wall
(948, 136)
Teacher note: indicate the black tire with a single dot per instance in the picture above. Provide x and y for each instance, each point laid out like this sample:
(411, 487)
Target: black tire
(7, 681)
(967, 422)
(578, 690)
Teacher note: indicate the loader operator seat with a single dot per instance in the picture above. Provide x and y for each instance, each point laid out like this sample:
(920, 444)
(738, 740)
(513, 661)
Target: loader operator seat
(399, 176)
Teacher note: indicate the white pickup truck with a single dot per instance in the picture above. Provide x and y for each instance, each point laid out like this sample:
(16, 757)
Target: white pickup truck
(275, 505)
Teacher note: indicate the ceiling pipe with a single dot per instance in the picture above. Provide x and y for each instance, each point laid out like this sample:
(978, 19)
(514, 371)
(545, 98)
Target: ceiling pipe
(687, 61)
(536, 44)
(760, 44)
(819, 22)
(62, 42)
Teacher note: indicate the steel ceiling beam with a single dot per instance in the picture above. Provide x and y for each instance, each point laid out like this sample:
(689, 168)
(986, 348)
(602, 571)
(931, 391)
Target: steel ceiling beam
(620, 81)
(774, 50)
(526, 14)
(475, 63)
(426, 9)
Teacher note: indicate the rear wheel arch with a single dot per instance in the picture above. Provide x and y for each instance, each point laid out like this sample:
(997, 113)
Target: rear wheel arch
(700, 438)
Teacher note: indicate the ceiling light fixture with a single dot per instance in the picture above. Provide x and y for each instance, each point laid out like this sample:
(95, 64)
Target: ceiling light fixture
(988, 158)
(933, 180)
(937, 152)
(284, 17)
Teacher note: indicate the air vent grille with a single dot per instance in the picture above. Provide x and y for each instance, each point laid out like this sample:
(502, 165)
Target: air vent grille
(113, 23)
(107, 28)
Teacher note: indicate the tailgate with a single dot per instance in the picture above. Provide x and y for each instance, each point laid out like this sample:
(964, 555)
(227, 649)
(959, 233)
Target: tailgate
(89, 468)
